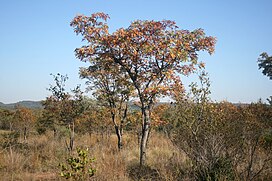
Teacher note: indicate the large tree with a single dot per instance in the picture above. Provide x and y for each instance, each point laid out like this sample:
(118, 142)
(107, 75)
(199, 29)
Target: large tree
(152, 53)
(265, 63)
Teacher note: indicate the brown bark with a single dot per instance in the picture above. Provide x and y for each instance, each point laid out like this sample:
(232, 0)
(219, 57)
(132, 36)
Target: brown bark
(119, 137)
(25, 132)
(72, 136)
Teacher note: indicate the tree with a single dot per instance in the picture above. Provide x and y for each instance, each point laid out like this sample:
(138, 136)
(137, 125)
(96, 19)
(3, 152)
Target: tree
(112, 90)
(265, 63)
(63, 106)
(25, 119)
(152, 53)
(6, 119)
(52, 114)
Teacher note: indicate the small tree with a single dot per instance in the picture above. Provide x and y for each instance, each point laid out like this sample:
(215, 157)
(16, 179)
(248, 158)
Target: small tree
(6, 119)
(64, 107)
(152, 53)
(25, 120)
(112, 90)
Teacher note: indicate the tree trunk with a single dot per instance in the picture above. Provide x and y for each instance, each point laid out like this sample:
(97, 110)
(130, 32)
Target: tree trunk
(72, 136)
(145, 133)
(118, 131)
(55, 132)
(25, 131)
(119, 137)
(123, 120)
(10, 126)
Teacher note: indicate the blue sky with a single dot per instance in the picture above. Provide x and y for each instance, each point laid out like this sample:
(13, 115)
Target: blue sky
(36, 40)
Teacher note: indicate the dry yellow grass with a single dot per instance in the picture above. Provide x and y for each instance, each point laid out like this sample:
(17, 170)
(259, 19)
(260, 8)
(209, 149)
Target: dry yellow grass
(38, 158)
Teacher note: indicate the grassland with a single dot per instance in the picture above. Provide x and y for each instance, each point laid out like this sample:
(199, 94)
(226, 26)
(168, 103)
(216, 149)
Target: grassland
(38, 158)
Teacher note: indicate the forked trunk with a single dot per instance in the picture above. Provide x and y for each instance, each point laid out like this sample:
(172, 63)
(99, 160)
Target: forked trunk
(145, 135)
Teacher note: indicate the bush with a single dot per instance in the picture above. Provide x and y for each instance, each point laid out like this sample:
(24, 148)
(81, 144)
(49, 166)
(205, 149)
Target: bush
(79, 167)
(9, 139)
(222, 169)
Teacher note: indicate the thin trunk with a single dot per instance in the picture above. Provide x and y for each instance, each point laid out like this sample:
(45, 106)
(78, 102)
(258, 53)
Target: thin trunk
(123, 119)
(72, 136)
(118, 131)
(10, 126)
(251, 159)
(119, 137)
(11, 157)
(145, 133)
(55, 132)
(24, 133)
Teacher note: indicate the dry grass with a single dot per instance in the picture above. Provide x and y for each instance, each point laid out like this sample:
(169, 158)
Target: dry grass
(40, 155)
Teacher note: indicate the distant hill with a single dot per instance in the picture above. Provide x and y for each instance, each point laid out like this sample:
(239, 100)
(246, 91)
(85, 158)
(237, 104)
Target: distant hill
(38, 105)
(27, 104)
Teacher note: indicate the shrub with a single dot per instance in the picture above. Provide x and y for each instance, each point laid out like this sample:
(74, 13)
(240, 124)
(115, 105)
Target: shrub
(222, 169)
(79, 167)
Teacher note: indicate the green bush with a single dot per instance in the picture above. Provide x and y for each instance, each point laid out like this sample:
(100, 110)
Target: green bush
(79, 167)
(222, 169)
(9, 139)
(266, 139)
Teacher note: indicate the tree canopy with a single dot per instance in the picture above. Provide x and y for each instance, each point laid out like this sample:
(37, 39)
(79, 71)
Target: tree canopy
(152, 53)
(265, 63)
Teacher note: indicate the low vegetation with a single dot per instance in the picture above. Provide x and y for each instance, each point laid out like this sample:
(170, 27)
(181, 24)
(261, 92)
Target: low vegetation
(191, 141)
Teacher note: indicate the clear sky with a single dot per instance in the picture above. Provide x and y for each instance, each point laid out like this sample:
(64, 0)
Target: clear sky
(36, 40)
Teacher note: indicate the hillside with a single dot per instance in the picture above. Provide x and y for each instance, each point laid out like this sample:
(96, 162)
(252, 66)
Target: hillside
(27, 104)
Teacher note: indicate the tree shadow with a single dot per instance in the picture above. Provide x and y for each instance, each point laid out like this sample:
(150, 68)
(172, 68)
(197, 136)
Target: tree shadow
(146, 172)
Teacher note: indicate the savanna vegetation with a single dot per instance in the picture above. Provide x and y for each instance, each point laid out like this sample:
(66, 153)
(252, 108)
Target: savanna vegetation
(122, 131)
